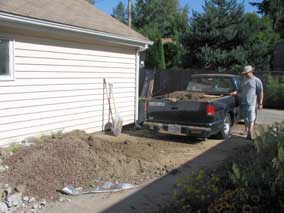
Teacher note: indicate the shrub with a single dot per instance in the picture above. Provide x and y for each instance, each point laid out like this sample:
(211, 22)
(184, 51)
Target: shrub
(274, 92)
(196, 191)
(252, 182)
(261, 175)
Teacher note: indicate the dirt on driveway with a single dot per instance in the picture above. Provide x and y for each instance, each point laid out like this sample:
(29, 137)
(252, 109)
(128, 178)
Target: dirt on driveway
(181, 155)
(87, 160)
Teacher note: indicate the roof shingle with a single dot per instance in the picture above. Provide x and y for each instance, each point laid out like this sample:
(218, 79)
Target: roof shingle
(77, 13)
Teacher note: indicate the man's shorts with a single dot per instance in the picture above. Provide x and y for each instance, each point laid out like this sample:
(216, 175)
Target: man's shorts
(248, 113)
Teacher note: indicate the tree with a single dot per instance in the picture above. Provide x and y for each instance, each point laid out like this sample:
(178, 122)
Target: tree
(260, 40)
(157, 19)
(273, 9)
(160, 18)
(223, 37)
(171, 54)
(155, 57)
(161, 55)
(120, 13)
(216, 39)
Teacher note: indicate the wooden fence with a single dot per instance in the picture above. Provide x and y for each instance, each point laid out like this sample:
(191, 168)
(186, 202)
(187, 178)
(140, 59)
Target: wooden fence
(166, 81)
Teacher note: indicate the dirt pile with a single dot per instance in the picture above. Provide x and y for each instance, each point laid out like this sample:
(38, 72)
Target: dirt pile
(186, 95)
(81, 160)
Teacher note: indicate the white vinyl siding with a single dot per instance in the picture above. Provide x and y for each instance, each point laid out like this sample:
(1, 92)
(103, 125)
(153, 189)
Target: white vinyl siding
(60, 88)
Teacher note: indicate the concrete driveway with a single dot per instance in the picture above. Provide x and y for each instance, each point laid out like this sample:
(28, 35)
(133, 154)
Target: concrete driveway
(153, 195)
(269, 116)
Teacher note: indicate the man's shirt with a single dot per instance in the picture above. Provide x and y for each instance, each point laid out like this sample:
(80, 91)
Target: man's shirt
(250, 90)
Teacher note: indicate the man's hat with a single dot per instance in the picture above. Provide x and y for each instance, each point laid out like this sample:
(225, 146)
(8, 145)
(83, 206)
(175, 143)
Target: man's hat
(247, 69)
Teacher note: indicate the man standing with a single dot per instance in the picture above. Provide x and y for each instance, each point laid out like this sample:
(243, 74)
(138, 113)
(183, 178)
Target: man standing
(251, 98)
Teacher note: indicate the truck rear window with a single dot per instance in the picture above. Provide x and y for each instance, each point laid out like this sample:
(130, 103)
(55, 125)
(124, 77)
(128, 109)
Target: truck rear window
(210, 85)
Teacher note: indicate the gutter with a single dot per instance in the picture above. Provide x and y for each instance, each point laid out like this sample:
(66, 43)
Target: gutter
(104, 35)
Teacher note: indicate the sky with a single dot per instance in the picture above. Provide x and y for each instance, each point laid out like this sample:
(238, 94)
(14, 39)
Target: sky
(108, 5)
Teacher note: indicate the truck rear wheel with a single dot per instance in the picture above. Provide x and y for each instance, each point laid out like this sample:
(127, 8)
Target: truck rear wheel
(226, 127)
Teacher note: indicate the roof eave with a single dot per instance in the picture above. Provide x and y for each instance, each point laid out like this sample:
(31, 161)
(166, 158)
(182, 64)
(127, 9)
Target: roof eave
(103, 35)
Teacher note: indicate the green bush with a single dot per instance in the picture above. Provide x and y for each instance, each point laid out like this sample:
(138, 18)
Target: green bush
(196, 191)
(155, 56)
(274, 92)
(251, 182)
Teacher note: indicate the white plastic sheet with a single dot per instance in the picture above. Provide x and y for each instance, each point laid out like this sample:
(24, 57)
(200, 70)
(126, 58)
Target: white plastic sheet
(107, 187)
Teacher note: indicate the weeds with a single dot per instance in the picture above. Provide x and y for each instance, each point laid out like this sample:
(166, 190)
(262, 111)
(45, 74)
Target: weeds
(13, 148)
(253, 182)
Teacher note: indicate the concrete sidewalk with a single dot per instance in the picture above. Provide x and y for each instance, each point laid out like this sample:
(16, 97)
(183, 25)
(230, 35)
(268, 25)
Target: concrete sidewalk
(269, 116)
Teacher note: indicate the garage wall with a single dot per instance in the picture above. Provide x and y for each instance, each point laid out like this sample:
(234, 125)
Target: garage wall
(60, 88)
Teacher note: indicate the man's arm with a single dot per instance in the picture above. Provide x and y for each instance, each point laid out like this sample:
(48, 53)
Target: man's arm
(259, 93)
(260, 102)
(234, 93)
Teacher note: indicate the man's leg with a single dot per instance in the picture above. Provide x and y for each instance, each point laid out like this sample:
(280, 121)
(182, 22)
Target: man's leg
(251, 121)
(256, 108)
(250, 131)
(246, 126)
(244, 115)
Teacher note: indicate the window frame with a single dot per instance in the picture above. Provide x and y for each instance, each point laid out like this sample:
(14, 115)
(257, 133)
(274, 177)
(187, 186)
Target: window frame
(11, 75)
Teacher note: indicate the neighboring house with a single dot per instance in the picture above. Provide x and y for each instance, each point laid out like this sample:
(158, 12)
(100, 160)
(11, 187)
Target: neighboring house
(53, 58)
(278, 64)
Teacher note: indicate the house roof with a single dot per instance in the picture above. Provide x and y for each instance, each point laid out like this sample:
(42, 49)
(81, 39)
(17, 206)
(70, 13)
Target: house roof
(77, 13)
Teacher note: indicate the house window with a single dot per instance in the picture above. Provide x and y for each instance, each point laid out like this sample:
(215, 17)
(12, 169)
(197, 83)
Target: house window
(6, 59)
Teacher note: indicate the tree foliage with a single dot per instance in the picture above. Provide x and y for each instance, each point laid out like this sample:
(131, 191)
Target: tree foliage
(158, 19)
(224, 37)
(162, 19)
(120, 13)
(155, 57)
(221, 37)
(273, 9)
(216, 39)
(260, 41)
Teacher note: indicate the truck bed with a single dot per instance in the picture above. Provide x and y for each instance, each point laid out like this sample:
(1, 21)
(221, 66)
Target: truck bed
(184, 107)
(206, 107)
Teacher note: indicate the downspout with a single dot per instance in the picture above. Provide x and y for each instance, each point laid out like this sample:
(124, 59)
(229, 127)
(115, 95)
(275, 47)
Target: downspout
(137, 67)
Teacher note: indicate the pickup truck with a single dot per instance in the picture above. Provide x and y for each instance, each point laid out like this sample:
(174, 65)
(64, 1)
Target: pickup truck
(206, 107)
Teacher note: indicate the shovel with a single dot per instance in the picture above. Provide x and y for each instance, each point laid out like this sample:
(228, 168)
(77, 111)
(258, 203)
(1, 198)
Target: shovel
(117, 121)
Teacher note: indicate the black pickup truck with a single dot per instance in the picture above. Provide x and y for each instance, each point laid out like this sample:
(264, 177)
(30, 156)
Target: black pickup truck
(206, 107)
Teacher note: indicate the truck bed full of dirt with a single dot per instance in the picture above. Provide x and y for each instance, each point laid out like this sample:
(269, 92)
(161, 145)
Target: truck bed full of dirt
(186, 95)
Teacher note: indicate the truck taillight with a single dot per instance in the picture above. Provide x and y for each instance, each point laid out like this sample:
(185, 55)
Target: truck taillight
(210, 110)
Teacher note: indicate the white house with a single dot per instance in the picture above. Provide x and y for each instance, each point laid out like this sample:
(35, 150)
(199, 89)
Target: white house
(53, 58)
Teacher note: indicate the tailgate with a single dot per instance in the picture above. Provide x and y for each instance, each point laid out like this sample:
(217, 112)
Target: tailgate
(181, 112)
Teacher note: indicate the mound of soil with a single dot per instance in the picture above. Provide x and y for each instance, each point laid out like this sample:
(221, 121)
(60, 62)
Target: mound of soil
(79, 159)
(186, 95)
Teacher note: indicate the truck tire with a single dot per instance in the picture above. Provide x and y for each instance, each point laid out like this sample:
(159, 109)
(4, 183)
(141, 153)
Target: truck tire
(226, 127)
